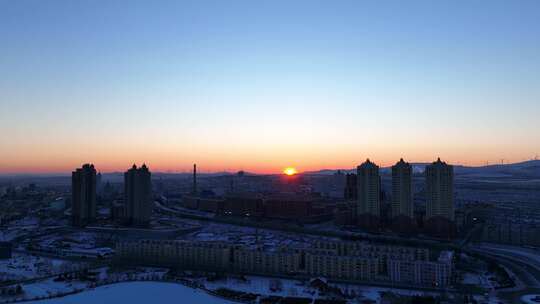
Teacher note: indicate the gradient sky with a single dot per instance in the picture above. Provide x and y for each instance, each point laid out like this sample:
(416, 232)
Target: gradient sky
(261, 85)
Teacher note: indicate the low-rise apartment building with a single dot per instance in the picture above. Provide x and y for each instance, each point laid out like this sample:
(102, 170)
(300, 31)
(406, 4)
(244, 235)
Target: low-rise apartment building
(184, 254)
(339, 260)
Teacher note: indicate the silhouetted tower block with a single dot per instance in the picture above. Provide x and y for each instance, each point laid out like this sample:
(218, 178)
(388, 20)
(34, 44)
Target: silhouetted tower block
(351, 187)
(138, 196)
(83, 195)
(99, 185)
(440, 190)
(402, 193)
(368, 189)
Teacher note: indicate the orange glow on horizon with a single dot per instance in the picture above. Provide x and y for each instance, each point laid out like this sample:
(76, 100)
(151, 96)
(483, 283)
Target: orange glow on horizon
(290, 171)
(252, 159)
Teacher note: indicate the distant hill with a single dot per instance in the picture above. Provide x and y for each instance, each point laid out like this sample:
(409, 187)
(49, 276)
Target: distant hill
(529, 169)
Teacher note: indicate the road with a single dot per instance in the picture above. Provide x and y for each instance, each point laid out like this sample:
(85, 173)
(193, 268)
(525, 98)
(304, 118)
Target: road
(525, 259)
(293, 228)
(523, 263)
(61, 257)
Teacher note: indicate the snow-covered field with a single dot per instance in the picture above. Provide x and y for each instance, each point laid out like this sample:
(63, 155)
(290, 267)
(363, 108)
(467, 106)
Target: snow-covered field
(250, 236)
(293, 288)
(163, 292)
(24, 266)
(55, 286)
(139, 292)
(50, 288)
(19, 228)
(147, 292)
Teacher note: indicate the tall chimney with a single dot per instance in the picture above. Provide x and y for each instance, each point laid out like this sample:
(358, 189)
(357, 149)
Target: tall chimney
(194, 178)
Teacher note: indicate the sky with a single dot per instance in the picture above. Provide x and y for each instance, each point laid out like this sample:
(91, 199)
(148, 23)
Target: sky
(262, 85)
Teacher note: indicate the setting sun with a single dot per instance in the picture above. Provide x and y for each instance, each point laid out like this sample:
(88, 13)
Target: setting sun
(290, 171)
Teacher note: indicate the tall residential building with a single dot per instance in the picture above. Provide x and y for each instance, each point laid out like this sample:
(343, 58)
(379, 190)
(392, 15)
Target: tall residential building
(351, 187)
(402, 194)
(138, 196)
(99, 184)
(440, 190)
(83, 195)
(368, 189)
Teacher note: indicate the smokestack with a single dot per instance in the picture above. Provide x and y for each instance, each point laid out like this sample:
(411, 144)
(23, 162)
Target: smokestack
(194, 178)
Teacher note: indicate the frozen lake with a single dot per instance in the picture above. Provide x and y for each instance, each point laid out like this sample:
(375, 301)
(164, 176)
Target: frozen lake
(138, 292)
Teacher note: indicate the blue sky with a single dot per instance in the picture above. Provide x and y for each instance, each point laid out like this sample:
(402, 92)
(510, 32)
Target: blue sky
(260, 85)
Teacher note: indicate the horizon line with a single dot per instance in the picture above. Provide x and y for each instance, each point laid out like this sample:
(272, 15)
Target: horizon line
(66, 173)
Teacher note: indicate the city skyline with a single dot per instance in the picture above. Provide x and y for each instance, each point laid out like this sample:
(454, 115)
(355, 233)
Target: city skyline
(261, 87)
(271, 151)
(188, 168)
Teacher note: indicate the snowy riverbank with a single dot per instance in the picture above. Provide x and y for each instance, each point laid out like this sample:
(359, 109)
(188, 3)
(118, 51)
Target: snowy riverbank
(138, 292)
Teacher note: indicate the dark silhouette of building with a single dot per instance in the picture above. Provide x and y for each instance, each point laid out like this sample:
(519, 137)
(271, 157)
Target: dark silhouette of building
(440, 190)
(351, 187)
(117, 210)
(344, 213)
(243, 204)
(284, 206)
(138, 196)
(440, 200)
(194, 190)
(99, 184)
(402, 205)
(83, 195)
(402, 193)
(369, 201)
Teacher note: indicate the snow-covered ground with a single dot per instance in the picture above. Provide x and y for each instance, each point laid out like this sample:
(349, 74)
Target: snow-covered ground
(265, 286)
(24, 266)
(472, 278)
(19, 228)
(76, 244)
(139, 292)
(146, 292)
(50, 288)
(531, 299)
(77, 240)
(293, 288)
(487, 281)
(53, 286)
(249, 236)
